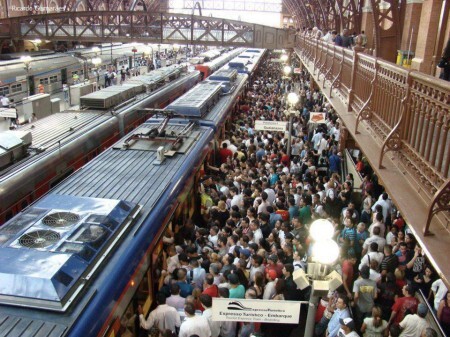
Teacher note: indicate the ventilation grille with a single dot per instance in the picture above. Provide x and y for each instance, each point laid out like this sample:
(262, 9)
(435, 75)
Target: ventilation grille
(88, 233)
(61, 219)
(39, 239)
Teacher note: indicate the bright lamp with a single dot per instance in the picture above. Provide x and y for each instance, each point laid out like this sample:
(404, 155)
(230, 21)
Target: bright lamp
(287, 70)
(325, 251)
(321, 229)
(292, 98)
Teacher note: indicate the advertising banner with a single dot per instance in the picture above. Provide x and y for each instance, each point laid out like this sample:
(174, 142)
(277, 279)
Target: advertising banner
(317, 117)
(264, 311)
(271, 126)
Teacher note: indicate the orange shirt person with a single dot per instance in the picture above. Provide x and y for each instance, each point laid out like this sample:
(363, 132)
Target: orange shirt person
(41, 88)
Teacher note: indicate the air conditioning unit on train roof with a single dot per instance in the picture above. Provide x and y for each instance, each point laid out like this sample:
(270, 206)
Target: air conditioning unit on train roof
(47, 250)
(13, 146)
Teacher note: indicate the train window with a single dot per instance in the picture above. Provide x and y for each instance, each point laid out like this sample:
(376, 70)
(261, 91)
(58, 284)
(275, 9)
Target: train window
(16, 87)
(43, 80)
(4, 91)
(24, 204)
(53, 79)
(61, 178)
(8, 215)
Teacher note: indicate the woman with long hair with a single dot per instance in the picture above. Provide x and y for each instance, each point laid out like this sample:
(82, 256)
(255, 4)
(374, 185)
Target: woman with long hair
(443, 313)
(374, 326)
(259, 284)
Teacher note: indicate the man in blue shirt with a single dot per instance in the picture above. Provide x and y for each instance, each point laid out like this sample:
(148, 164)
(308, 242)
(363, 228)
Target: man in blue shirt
(185, 287)
(341, 311)
(335, 163)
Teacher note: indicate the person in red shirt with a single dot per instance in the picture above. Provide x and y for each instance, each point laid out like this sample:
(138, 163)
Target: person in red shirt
(209, 287)
(404, 305)
(348, 273)
(224, 153)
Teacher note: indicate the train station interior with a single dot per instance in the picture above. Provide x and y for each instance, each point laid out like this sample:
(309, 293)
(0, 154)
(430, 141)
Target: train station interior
(227, 168)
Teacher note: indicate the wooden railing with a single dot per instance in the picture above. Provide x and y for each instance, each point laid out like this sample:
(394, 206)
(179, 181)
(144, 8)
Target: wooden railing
(408, 111)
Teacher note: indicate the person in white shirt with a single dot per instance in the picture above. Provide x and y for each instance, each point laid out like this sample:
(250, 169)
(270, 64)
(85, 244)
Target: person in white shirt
(172, 261)
(385, 203)
(378, 223)
(196, 274)
(439, 290)
(270, 193)
(206, 302)
(413, 325)
(5, 102)
(257, 233)
(373, 255)
(164, 316)
(374, 238)
(213, 235)
(236, 198)
(194, 325)
(269, 289)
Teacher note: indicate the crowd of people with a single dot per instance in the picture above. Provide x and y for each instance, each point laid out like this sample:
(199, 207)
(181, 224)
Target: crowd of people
(345, 39)
(252, 235)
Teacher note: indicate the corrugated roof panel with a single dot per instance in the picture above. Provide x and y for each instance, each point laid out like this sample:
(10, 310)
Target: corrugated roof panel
(197, 101)
(58, 126)
(12, 326)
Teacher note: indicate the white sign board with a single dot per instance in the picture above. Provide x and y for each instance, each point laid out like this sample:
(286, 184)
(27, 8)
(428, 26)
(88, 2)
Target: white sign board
(270, 126)
(264, 311)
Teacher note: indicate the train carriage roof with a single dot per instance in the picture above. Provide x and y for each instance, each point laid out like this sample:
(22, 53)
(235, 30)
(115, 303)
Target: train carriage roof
(60, 126)
(22, 326)
(121, 178)
(131, 174)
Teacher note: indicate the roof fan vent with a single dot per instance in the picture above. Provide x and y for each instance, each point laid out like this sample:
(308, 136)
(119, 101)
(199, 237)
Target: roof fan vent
(61, 219)
(39, 239)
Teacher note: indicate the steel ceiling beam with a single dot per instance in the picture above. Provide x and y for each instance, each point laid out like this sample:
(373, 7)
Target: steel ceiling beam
(140, 26)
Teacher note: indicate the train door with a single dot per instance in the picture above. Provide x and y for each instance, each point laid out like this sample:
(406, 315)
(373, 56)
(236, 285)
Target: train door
(31, 86)
(64, 75)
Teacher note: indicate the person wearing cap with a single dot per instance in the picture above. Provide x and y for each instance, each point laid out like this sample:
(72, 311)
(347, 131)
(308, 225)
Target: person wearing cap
(269, 290)
(413, 325)
(244, 253)
(340, 312)
(347, 327)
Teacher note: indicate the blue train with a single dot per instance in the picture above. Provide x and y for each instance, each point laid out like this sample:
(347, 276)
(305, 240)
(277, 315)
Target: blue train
(79, 260)
(65, 141)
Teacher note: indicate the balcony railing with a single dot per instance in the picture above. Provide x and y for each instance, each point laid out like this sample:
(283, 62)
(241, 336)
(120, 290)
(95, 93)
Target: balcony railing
(407, 111)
